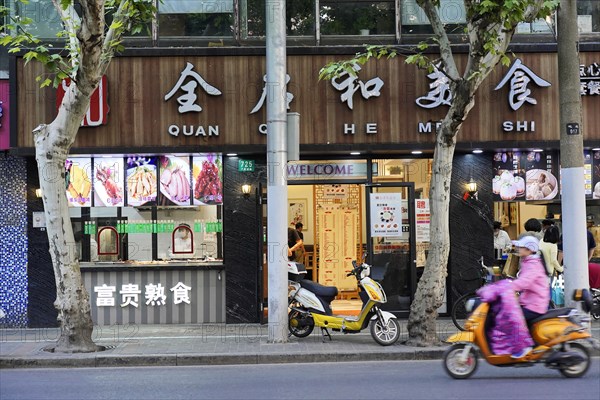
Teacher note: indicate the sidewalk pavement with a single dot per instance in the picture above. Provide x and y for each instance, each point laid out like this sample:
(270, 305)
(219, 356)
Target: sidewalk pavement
(209, 344)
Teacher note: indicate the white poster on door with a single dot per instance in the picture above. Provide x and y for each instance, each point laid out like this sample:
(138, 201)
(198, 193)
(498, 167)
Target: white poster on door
(423, 220)
(386, 214)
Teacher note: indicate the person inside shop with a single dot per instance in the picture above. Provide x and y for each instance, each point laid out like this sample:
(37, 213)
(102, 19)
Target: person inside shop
(502, 241)
(301, 251)
(294, 243)
(547, 223)
(591, 242)
(182, 242)
(549, 250)
(533, 227)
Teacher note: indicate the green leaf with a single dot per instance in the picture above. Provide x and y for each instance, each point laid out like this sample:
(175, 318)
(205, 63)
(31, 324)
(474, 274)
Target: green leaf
(47, 82)
(116, 24)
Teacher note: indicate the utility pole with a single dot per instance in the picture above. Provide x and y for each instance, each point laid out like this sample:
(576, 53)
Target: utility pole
(277, 215)
(571, 153)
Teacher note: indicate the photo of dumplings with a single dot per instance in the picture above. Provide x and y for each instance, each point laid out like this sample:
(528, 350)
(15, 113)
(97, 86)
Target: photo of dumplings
(540, 185)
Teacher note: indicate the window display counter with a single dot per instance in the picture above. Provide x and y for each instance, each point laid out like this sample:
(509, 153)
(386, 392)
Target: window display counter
(155, 292)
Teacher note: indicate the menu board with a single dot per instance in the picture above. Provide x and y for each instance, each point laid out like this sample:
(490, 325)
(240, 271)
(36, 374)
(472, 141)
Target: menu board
(208, 179)
(525, 175)
(78, 180)
(174, 181)
(108, 182)
(337, 245)
(142, 182)
(386, 214)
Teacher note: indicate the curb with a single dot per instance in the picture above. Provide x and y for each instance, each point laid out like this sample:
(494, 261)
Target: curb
(190, 359)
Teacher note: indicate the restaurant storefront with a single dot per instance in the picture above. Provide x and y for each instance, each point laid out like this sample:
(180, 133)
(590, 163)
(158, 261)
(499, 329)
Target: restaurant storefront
(156, 176)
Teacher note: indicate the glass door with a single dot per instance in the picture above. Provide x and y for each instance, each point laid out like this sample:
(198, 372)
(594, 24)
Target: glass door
(391, 241)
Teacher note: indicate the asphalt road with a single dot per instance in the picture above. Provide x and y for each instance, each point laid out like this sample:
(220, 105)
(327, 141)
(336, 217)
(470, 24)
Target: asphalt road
(366, 380)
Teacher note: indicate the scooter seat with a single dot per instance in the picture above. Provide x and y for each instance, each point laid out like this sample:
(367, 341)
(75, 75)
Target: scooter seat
(318, 289)
(551, 314)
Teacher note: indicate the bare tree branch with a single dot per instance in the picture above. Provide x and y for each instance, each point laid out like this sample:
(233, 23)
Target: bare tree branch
(71, 22)
(114, 33)
(438, 28)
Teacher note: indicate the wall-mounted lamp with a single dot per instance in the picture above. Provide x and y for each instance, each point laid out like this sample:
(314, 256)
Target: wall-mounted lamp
(471, 190)
(246, 189)
(38, 193)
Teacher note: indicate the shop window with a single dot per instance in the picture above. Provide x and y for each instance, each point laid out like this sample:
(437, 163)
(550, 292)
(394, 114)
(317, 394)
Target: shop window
(452, 14)
(300, 18)
(182, 240)
(45, 21)
(196, 18)
(538, 26)
(588, 16)
(108, 243)
(342, 17)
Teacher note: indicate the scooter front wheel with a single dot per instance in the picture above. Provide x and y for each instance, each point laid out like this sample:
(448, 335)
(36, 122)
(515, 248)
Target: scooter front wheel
(459, 365)
(384, 333)
(300, 324)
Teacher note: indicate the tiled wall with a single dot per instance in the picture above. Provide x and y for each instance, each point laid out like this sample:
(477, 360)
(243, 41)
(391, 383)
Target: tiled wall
(13, 241)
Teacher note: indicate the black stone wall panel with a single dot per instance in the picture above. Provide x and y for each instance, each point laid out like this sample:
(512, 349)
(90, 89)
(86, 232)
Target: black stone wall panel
(241, 223)
(471, 233)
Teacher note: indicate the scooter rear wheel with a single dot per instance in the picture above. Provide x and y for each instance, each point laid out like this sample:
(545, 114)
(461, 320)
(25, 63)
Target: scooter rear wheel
(455, 366)
(384, 333)
(577, 371)
(299, 324)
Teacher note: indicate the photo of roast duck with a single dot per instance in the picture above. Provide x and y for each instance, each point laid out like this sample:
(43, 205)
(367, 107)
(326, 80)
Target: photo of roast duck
(105, 175)
(175, 185)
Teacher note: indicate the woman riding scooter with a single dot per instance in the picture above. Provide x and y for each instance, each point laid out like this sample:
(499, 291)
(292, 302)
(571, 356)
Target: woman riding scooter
(534, 287)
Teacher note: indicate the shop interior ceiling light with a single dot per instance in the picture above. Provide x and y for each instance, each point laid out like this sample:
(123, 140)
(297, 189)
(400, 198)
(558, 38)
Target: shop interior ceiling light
(231, 154)
(416, 152)
(477, 151)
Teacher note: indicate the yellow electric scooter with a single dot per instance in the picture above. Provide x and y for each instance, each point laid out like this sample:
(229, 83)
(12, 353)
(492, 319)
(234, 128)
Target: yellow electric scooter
(559, 335)
(309, 306)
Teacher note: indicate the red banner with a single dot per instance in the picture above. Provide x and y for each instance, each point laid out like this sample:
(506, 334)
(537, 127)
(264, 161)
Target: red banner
(97, 113)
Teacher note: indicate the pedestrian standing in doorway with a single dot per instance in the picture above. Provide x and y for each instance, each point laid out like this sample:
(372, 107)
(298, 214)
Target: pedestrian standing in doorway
(294, 243)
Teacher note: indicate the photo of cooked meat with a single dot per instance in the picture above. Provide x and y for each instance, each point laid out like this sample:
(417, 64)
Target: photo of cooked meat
(108, 185)
(78, 182)
(207, 178)
(174, 180)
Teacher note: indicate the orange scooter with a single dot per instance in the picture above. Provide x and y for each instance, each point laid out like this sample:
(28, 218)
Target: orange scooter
(559, 335)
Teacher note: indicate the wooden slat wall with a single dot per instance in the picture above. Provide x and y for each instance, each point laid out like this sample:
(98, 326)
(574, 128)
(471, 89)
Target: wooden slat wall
(139, 117)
